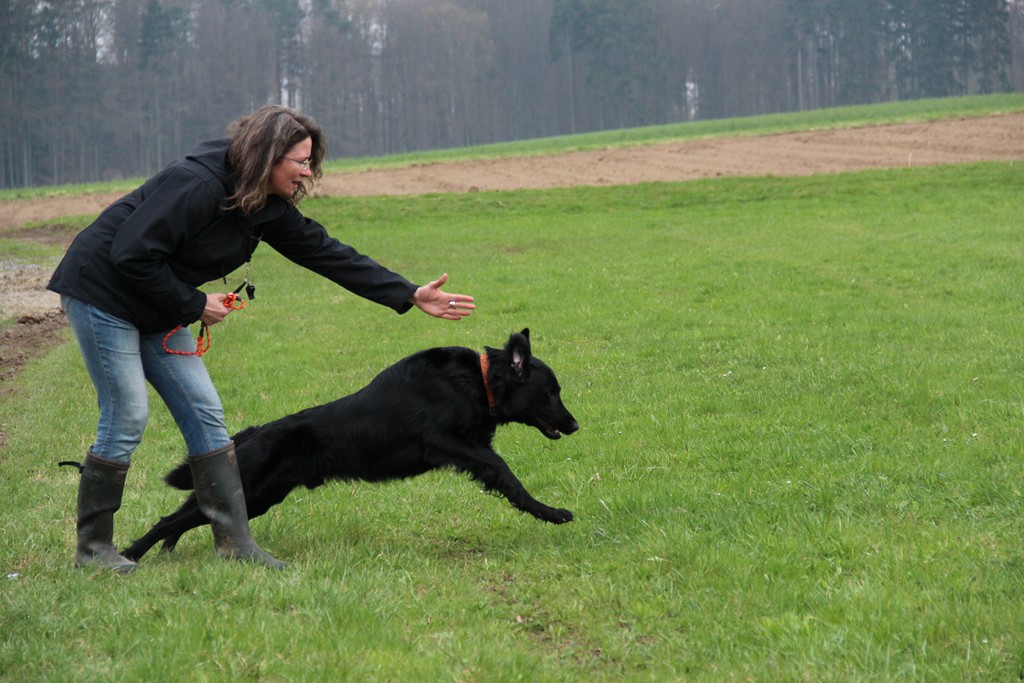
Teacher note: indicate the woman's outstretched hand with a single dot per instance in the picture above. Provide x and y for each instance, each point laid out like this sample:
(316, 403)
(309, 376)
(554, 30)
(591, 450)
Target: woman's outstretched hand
(431, 299)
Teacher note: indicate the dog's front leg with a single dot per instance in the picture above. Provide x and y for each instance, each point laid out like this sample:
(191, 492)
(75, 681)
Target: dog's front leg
(491, 470)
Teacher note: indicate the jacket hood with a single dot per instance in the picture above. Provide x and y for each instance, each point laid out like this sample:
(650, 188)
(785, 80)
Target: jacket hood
(213, 155)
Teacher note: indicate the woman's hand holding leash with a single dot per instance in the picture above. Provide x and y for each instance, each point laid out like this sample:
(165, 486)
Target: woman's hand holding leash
(217, 308)
(431, 299)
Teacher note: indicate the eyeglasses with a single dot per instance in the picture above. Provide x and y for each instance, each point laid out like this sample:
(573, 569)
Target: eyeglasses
(303, 164)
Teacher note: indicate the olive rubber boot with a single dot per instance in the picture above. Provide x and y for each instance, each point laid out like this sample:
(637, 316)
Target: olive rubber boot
(99, 497)
(219, 492)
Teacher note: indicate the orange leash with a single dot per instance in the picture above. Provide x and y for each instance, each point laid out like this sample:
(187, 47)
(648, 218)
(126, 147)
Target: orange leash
(204, 340)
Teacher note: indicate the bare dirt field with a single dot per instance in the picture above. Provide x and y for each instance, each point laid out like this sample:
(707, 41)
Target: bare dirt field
(995, 138)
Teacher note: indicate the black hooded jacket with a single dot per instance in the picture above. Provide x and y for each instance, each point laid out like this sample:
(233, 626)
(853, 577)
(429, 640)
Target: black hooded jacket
(143, 258)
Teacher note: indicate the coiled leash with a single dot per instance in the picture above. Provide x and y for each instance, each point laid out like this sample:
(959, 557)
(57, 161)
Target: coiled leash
(205, 340)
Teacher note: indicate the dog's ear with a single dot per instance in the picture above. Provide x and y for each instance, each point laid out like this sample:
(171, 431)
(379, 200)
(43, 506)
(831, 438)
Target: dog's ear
(518, 351)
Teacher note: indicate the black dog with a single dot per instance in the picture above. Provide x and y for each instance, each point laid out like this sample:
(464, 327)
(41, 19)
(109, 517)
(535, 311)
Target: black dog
(436, 408)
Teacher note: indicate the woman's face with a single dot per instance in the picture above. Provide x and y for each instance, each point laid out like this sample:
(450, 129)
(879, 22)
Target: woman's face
(287, 175)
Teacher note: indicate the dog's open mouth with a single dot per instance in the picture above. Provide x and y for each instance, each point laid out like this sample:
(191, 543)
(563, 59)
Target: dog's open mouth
(548, 431)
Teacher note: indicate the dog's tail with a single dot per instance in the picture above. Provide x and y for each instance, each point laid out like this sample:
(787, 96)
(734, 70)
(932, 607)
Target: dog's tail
(181, 476)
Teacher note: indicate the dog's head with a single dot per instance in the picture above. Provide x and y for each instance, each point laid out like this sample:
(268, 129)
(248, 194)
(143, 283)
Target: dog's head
(526, 390)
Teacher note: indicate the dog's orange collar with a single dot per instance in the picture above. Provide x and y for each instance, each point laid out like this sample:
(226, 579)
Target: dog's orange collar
(484, 366)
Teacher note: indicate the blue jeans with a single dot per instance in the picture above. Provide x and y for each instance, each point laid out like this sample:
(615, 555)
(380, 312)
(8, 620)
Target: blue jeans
(120, 361)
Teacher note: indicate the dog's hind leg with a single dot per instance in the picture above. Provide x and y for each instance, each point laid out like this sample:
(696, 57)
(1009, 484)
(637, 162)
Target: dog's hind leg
(195, 519)
(169, 529)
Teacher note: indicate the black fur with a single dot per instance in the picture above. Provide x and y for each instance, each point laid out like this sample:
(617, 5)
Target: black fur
(427, 411)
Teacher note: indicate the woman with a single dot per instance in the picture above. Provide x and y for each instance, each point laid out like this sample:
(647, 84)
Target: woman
(128, 285)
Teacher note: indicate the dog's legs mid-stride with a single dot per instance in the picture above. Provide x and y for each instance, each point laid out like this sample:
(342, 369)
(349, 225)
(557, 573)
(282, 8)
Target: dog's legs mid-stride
(434, 409)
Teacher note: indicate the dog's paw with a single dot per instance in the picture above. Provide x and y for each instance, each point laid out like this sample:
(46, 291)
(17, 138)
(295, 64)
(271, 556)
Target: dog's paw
(556, 516)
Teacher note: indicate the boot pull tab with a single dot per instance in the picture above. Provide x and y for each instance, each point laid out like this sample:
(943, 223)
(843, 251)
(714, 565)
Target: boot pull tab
(72, 463)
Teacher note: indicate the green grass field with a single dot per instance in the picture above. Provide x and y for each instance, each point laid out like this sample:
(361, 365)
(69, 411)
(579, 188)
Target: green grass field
(800, 455)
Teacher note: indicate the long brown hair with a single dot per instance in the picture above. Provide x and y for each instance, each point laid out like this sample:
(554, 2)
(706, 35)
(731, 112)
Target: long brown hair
(260, 140)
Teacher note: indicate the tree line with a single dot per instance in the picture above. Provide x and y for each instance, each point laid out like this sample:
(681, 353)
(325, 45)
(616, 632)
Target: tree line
(102, 89)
